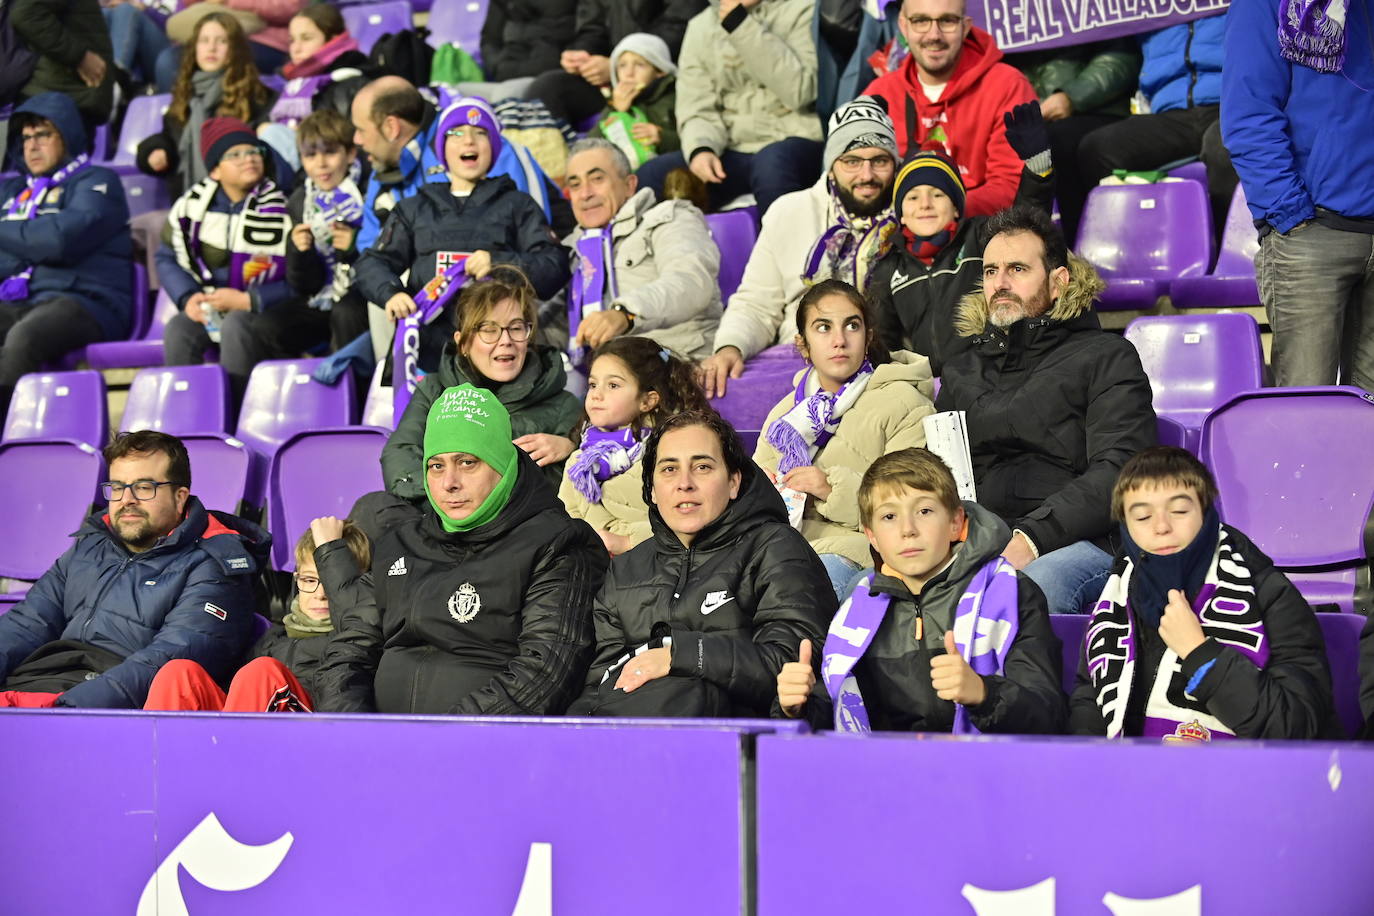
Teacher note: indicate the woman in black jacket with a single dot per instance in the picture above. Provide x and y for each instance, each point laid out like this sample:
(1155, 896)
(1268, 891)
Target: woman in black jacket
(483, 605)
(699, 620)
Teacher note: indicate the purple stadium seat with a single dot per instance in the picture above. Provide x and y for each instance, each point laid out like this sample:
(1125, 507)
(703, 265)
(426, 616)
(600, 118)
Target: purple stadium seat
(458, 22)
(1342, 635)
(1232, 280)
(282, 400)
(369, 21)
(1172, 432)
(260, 626)
(319, 473)
(145, 193)
(142, 119)
(9, 601)
(1196, 362)
(144, 350)
(767, 377)
(47, 489)
(379, 408)
(1070, 628)
(67, 406)
(1143, 237)
(224, 473)
(141, 315)
(179, 400)
(1293, 468)
(734, 232)
(1192, 171)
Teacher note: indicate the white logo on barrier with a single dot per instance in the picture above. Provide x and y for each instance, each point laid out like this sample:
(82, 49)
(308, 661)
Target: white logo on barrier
(464, 604)
(536, 890)
(1038, 900)
(213, 858)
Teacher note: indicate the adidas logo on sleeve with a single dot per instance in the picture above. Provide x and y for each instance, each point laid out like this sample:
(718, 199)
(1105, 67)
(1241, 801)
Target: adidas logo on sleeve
(398, 568)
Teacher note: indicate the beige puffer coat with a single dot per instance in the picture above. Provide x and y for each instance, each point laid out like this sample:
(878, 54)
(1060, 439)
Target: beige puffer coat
(621, 510)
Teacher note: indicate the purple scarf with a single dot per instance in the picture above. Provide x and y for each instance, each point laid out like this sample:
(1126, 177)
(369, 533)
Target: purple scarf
(1312, 33)
(344, 204)
(23, 207)
(801, 433)
(593, 283)
(985, 625)
(405, 346)
(603, 455)
(293, 105)
(850, 248)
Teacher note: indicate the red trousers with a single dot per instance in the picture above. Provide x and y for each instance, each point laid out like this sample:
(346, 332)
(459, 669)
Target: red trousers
(25, 699)
(262, 685)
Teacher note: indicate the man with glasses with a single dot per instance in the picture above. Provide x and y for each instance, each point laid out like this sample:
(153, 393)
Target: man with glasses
(66, 275)
(658, 268)
(950, 95)
(223, 262)
(837, 228)
(154, 577)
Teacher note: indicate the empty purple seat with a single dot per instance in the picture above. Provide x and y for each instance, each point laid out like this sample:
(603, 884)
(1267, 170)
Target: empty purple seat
(734, 232)
(1070, 628)
(283, 400)
(767, 377)
(47, 489)
(369, 21)
(1172, 432)
(319, 473)
(140, 315)
(144, 350)
(142, 119)
(225, 473)
(179, 400)
(1293, 468)
(458, 22)
(1342, 635)
(380, 406)
(1232, 280)
(1196, 362)
(69, 406)
(1143, 237)
(145, 193)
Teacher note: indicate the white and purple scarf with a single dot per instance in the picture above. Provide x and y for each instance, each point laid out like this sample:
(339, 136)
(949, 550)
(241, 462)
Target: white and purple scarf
(405, 344)
(803, 431)
(593, 284)
(985, 625)
(1228, 612)
(24, 206)
(604, 454)
(343, 204)
(850, 248)
(1312, 33)
(255, 237)
(296, 101)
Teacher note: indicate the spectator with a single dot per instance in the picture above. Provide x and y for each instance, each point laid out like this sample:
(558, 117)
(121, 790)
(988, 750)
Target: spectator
(840, 227)
(853, 404)
(284, 671)
(634, 385)
(268, 41)
(491, 349)
(223, 262)
(326, 212)
(918, 284)
(1296, 116)
(136, 38)
(521, 40)
(218, 80)
(75, 56)
(1081, 88)
(1181, 79)
(644, 89)
(573, 91)
(663, 267)
(476, 222)
(64, 646)
(745, 588)
(493, 586)
(746, 102)
(1054, 404)
(950, 94)
(395, 127)
(66, 277)
(1194, 604)
(983, 658)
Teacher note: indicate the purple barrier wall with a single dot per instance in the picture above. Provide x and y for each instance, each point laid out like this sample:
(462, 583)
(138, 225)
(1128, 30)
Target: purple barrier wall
(367, 815)
(935, 825)
(1020, 25)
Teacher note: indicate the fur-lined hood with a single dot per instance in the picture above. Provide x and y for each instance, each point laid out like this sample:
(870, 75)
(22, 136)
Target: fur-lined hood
(971, 317)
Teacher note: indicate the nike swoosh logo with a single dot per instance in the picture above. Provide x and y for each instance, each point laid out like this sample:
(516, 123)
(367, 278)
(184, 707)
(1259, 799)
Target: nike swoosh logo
(709, 606)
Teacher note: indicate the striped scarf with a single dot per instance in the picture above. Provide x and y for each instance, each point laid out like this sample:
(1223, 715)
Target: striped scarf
(24, 206)
(255, 237)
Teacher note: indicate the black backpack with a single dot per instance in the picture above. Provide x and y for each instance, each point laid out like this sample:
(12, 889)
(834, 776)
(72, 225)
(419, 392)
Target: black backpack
(404, 54)
(17, 60)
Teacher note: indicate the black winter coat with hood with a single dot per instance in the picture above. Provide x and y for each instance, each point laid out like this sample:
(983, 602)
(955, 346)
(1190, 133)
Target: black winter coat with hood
(601, 24)
(525, 37)
(737, 605)
(1056, 406)
(493, 621)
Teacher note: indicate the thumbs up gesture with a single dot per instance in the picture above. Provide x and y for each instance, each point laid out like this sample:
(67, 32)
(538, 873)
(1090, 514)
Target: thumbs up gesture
(952, 677)
(795, 681)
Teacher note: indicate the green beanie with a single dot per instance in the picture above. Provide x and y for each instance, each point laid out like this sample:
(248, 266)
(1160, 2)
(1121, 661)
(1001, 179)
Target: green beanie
(472, 420)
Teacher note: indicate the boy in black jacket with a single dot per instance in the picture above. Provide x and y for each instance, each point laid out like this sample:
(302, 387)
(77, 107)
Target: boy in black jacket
(944, 635)
(1196, 636)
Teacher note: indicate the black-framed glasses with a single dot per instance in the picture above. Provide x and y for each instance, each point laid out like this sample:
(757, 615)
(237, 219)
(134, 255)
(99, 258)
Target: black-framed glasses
(145, 489)
(247, 152)
(308, 585)
(490, 332)
(880, 163)
(39, 136)
(948, 23)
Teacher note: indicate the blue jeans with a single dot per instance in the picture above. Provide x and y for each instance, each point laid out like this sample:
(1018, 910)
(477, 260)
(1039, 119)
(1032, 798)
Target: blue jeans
(137, 40)
(1071, 577)
(842, 571)
(788, 165)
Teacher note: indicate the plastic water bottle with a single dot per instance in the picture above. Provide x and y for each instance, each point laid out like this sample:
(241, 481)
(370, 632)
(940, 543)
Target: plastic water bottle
(213, 318)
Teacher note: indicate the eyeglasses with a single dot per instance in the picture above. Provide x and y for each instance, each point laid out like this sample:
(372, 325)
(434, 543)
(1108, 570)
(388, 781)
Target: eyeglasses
(143, 489)
(307, 584)
(856, 163)
(490, 332)
(39, 136)
(948, 24)
(234, 155)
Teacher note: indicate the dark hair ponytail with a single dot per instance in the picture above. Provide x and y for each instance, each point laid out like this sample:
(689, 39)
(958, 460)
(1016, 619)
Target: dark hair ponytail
(877, 351)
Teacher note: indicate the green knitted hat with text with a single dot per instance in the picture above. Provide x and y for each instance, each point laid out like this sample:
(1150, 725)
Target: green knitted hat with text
(471, 420)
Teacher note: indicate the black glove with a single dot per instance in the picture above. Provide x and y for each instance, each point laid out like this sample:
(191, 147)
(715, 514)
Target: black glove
(1026, 131)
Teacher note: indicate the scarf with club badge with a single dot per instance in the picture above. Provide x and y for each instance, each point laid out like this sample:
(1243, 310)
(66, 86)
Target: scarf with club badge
(256, 235)
(24, 206)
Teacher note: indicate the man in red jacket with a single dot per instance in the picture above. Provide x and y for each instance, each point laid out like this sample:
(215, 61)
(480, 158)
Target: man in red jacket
(950, 94)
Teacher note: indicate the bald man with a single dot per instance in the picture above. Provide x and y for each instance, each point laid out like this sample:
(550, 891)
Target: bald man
(394, 126)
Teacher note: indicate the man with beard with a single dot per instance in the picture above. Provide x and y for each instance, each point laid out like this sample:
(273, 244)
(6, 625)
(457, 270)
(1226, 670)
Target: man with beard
(837, 228)
(950, 95)
(154, 578)
(1054, 406)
